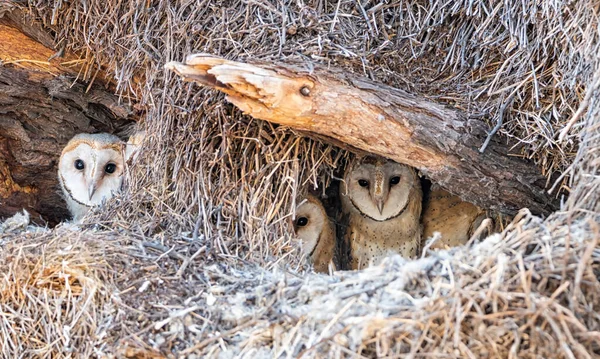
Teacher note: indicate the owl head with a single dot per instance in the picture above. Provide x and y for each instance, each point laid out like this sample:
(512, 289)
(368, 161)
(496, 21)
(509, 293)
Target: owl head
(91, 168)
(311, 223)
(378, 188)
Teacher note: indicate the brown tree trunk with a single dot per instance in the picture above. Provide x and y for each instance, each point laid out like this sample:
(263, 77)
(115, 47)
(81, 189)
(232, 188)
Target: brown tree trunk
(442, 142)
(42, 105)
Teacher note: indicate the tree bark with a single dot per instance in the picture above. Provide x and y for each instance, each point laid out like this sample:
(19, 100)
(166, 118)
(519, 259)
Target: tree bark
(441, 142)
(42, 106)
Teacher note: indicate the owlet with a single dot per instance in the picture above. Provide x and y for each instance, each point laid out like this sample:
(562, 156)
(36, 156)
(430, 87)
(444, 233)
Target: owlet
(382, 201)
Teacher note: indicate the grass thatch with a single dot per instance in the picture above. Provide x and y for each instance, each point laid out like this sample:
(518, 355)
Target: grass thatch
(55, 294)
(197, 258)
(532, 292)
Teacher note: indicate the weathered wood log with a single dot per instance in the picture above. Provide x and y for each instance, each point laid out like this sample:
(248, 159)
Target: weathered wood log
(441, 142)
(41, 107)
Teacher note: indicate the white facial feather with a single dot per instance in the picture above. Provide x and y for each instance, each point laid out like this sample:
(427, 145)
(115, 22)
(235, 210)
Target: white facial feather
(382, 201)
(316, 231)
(90, 171)
(379, 189)
(313, 214)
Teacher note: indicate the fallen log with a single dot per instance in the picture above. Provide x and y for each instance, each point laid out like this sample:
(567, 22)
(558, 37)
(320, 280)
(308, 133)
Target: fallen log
(441, 142)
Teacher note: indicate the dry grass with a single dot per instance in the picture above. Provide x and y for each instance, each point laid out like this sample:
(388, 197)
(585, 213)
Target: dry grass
(532, 292)
(197, 257)
(215, 163)
(55, 294)
(478, 55)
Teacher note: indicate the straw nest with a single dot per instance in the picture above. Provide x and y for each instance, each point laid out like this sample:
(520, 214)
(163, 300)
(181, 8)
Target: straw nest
(196, 259)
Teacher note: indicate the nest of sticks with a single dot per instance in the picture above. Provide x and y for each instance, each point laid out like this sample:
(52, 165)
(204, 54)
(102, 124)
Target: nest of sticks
(197, 258)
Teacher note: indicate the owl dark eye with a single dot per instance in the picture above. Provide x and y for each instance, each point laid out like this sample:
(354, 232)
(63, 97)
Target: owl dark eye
(302, 221)
(395, 180)
(79, 164)
(110, 168)
(363, 182)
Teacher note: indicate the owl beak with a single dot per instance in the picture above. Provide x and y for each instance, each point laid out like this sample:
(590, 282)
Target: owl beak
(380, 205)
(92, 190)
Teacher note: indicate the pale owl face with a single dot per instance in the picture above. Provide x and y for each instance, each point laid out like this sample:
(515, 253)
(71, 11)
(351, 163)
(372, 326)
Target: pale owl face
(91, 168)
(310, 222)
(379, 189)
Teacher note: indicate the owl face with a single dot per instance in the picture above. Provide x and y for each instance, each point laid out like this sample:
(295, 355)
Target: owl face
(379, 189)
(310, 223)
(91, 168)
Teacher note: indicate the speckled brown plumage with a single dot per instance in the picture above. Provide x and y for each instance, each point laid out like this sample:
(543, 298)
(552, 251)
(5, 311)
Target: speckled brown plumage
(455, 219)
(383, 216)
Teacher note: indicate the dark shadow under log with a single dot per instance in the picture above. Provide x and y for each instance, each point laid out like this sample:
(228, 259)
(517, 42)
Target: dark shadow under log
(42, 106)
(39, 113)
(441, 142)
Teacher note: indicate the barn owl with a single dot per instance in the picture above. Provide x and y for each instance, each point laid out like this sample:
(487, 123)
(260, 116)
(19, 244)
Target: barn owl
(382, 201)
(453, 218)
(90, 170)
(316, 231)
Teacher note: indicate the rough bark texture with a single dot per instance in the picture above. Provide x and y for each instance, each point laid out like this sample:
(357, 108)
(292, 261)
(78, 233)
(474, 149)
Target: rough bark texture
(42, 106)
(442, 142)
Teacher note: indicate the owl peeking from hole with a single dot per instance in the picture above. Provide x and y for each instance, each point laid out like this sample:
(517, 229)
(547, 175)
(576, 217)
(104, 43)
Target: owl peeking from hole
(317, 233)
(91, 168)
(382, 200)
